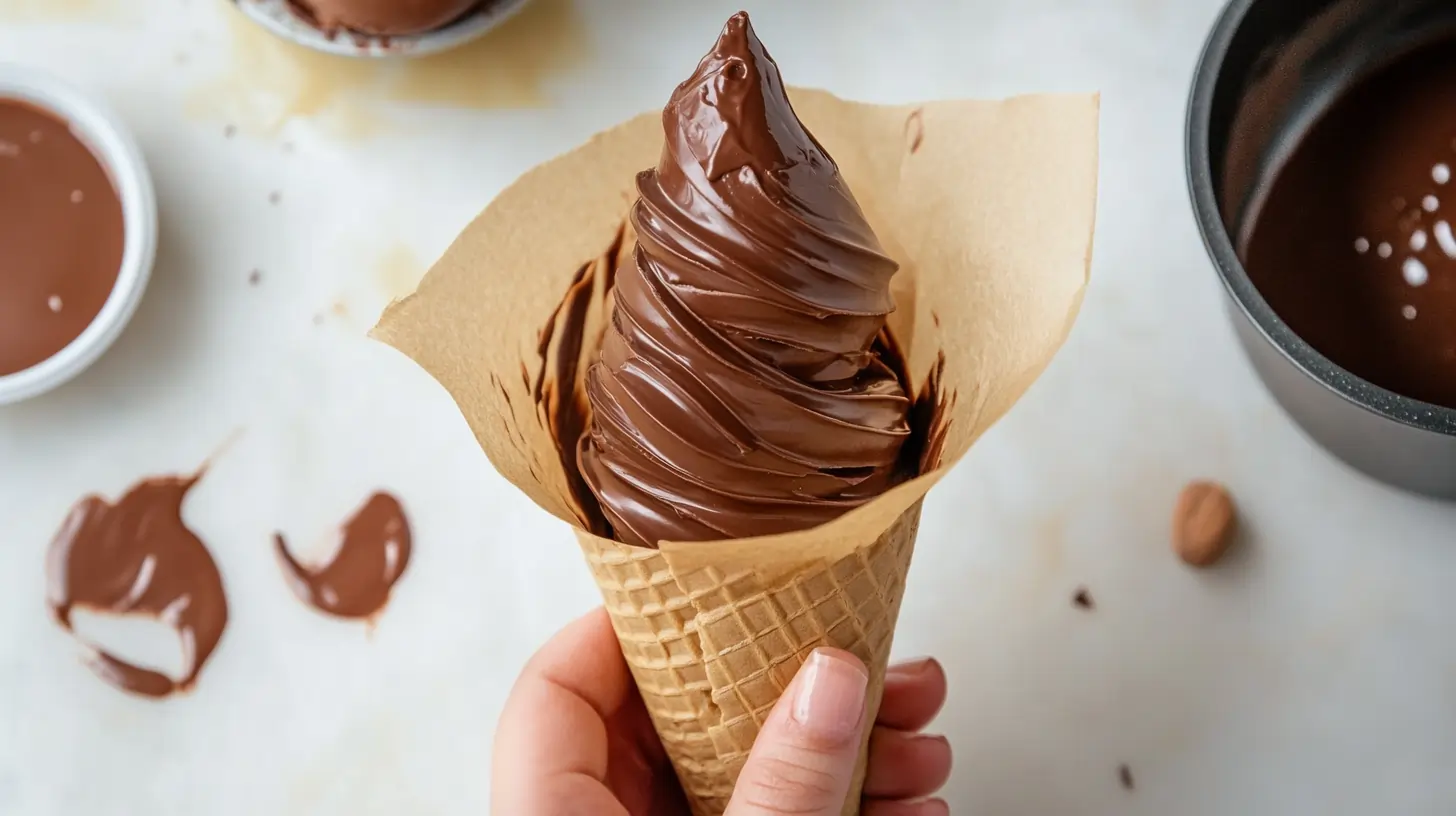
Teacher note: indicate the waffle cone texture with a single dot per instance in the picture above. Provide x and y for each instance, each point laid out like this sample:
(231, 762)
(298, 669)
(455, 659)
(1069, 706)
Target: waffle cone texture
(713, 648)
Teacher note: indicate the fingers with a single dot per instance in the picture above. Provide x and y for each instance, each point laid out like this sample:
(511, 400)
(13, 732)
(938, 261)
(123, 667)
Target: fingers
(914, 694)
(552, 738)
(804, 758)
(904, 765)
(928, 807)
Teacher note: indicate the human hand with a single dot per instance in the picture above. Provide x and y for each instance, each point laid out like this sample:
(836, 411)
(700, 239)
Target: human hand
(575, 738)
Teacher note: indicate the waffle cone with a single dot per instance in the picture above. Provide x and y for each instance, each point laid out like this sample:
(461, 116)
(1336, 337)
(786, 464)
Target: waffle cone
(713, 647)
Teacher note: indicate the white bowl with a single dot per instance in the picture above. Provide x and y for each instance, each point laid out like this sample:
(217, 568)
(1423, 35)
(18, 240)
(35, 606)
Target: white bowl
(103, 132)
(279, 17)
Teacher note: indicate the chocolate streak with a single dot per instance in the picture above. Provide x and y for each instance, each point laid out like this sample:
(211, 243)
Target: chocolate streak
(137, 557)
(740, 391)
(372, 555)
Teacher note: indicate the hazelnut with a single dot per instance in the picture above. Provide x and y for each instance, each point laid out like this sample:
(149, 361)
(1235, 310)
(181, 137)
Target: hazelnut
(1203, 523)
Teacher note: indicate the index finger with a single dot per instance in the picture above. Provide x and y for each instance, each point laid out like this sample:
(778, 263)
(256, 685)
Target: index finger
(552, 737)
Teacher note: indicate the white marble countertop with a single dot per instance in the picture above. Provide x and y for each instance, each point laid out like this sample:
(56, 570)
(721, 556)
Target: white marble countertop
(1310, 673)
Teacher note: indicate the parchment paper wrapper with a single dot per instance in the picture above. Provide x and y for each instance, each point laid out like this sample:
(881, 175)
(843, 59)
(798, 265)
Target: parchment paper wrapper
(988, 207)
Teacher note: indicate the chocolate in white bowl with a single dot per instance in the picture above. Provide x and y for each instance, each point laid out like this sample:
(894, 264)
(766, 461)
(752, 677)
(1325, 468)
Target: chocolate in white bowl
(80, 229)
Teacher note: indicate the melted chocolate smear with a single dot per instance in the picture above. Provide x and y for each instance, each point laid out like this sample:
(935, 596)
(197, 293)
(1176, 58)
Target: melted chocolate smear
(138, 557)
(373, 554)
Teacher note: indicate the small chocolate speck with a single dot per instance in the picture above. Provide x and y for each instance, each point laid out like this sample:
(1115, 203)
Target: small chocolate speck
(1124, 775)
(1082, 599)
(275, 197)
(936, 318)
(229, 131)
(255, 277)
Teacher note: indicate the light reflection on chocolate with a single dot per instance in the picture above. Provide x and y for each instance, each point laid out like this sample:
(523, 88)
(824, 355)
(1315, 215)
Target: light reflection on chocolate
(138, 557)
(374, 549)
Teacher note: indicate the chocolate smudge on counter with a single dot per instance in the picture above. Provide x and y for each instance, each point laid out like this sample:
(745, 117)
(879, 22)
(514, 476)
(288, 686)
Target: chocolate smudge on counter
(915, 129)
(374, 549)
(1082, 599)
(935, 318)
(138, 557)
(1124, 775)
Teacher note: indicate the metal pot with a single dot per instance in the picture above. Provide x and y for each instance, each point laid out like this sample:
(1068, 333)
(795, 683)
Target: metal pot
(1269, 70)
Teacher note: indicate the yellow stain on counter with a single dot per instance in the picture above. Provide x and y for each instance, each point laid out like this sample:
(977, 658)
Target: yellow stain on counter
(398, 271)
(62, 11)
(270, 81)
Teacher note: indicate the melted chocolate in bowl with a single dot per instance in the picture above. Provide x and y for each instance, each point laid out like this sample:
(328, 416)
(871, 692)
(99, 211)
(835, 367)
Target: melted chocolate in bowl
(1352, 243)
(62, 232)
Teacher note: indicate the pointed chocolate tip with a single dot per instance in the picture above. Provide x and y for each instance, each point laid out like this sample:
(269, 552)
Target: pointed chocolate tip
(737, 39)
(733, 111)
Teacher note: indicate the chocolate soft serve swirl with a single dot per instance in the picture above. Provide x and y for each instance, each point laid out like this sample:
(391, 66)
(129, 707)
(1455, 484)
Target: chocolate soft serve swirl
(740, 389)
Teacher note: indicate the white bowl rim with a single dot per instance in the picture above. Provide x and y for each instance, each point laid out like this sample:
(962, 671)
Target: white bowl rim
(104, 132)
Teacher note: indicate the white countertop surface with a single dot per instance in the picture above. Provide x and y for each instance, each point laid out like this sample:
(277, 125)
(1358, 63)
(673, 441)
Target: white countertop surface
(1312, 672)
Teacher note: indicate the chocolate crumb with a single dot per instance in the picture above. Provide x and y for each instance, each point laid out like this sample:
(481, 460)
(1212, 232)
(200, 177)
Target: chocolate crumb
(1124, 775)
(1083, 599)
(255, 277)
(275, 197)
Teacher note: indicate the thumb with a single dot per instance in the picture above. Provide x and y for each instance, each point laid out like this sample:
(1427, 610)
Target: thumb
(804, 758)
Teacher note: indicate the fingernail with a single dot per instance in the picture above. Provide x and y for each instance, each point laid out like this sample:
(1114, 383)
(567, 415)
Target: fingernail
(830, 699)
(912, 668)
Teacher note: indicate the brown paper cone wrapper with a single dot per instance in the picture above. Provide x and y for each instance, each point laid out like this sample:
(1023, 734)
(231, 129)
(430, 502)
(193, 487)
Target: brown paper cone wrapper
(989, 209)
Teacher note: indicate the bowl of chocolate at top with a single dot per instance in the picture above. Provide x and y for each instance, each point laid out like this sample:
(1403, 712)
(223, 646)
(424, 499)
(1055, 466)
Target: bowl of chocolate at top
(380, 28)
(78, 231)
(1322, 164)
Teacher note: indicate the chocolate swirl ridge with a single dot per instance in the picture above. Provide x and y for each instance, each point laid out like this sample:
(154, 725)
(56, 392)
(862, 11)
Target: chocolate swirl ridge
(740, 389)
